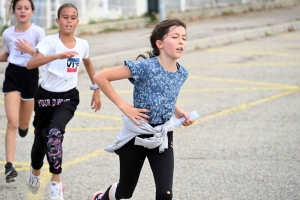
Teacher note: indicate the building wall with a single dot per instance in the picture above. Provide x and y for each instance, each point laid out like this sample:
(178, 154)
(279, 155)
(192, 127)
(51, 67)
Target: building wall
(92, 11)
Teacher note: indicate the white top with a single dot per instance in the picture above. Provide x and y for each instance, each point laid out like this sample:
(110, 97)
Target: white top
(61, 75)
(33, 36)
(131, 130)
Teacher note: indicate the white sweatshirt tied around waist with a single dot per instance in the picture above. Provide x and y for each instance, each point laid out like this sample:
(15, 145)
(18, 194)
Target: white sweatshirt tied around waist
(131, 130)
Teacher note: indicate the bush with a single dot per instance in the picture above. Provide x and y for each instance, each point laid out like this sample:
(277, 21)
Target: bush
(2, 29)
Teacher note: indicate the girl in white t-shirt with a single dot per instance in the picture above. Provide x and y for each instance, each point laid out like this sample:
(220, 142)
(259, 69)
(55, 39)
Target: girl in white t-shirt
(57, 97)
(20, 84)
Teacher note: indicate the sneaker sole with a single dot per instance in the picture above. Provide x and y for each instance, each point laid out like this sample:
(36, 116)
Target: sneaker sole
(11, 177)
(33, 190)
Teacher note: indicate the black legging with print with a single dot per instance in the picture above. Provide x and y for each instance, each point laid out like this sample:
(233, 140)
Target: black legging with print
(53, 111)
(132, 158)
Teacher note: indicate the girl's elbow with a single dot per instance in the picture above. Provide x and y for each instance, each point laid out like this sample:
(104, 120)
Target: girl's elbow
(97, 77)
(29, 66)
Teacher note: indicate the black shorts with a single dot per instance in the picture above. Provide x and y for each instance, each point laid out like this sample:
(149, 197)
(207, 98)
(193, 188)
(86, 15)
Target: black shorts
(22, 80)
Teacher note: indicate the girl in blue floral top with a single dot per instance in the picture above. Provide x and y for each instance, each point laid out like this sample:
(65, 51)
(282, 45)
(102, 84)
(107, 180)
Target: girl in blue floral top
(148, 126)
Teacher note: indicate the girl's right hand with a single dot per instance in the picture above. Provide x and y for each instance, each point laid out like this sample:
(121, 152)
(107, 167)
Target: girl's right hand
(66, 54)
(135, 114)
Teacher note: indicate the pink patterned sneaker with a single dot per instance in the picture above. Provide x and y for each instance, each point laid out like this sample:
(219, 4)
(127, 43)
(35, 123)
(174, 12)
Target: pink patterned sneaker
(98, 195)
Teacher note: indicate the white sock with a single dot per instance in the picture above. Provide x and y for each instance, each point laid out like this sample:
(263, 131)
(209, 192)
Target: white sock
(112, 191)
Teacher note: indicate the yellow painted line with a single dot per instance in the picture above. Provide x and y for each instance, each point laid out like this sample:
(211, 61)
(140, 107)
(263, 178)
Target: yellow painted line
(118, 91)
(244, 52)
(186, 100)
(244, 82)
(243, 106)
(294, 35)
(46, 175)
(95, 128)
(98, 116)
(83, 129)
(233, 89)
(17, 164)
(246, 64)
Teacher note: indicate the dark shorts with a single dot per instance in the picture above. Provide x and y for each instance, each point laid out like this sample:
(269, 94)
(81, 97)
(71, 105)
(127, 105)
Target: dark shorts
(22, 80)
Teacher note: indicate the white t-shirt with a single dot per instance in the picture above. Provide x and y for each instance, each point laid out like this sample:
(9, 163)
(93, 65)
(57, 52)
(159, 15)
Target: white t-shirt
(61, 75)
(33, 36)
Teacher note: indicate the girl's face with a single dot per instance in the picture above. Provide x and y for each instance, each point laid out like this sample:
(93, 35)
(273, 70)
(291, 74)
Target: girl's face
(174, 43)
(68, 20)
(23, 11)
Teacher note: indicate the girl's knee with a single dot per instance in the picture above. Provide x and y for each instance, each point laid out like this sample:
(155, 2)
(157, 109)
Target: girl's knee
(12, 124)
(54, 148)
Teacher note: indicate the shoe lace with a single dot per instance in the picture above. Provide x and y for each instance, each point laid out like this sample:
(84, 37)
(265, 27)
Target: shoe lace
(55, 190)
(34, 181)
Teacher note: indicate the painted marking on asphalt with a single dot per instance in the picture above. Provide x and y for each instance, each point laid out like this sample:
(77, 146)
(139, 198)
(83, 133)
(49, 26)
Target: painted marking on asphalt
(244, 106)
(290, 35)
(118, 91)
(246, 64)
(95, 128)
(186, 90)
(230, 51)
(46, 175)
(98, 116)
(20, 166)
(226, 80)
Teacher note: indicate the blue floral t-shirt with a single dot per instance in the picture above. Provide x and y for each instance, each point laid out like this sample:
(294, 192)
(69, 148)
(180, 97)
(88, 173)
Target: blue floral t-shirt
(155, 88)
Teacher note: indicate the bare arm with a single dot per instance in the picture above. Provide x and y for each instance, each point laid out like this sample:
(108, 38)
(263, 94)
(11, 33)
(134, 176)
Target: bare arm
(96, 102)
(180, 113)
(103, 79)
(3, 57)
(38, 59)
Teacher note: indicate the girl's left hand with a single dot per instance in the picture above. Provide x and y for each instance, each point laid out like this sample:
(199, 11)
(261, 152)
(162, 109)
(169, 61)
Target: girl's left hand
(24, 46)
(96, 102)
(180, 113)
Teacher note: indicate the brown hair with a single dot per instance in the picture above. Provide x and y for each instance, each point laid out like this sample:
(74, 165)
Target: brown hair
(159, 32)
(66, 5)
(14, 2)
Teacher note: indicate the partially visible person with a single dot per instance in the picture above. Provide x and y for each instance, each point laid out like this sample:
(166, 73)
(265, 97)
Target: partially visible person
(148, 125)
(20, 84)
(56, 100)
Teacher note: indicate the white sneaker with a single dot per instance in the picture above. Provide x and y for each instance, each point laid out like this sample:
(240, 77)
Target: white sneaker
(56, 191)
(33, 182)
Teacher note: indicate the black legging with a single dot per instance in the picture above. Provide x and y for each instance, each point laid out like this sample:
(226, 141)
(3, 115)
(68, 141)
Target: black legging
(132, 158)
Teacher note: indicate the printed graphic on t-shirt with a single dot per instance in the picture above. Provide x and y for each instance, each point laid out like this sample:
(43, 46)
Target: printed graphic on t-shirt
(18, 55)
(72, 64)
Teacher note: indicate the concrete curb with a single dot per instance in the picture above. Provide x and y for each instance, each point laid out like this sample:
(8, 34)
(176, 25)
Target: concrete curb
(114, 59)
